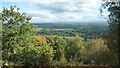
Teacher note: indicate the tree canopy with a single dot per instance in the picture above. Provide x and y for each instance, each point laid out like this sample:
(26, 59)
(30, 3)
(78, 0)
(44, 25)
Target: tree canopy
(113, 39)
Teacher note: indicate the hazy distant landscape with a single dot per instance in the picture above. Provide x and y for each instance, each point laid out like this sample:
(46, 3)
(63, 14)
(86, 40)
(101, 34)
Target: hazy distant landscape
(85, 30)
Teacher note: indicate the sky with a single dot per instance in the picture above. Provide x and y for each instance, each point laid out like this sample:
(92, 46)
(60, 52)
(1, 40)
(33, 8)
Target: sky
(43, 11)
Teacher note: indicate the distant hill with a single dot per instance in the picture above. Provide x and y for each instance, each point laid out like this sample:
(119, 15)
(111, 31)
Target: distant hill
(68, 22)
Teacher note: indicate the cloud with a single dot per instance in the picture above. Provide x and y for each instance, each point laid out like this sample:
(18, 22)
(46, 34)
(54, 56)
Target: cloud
(65, 5)
(70, 16)
(62, 10)
(42, 15)
(60, 7)
(44, 0)
(48, 17)
(79, 10)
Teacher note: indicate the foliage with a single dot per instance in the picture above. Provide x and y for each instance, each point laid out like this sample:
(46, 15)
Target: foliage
(17, 34)
(43, 50)
(96, 52)
(40, 40)
(0, 30)
(74, 49)
(113, 39)
(58, 44)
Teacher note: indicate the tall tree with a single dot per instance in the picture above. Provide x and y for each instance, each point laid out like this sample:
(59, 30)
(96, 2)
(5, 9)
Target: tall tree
(96, 52)
(17, 32)
(0, 43)
(113, 39)
(74, 49)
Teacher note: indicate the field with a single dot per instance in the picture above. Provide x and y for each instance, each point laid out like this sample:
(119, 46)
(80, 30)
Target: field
(85, 30)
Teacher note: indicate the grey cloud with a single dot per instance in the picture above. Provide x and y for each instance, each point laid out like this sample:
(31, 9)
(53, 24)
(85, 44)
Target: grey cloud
(60, 7)
(40, 15)
(65, 11)
(57, 7)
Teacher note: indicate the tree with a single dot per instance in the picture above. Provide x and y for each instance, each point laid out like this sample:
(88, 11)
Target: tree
(42, 49)
(0, 43)
(74, 49)
(58, 44)
(113, 39)
(96, 52)
(17, 34)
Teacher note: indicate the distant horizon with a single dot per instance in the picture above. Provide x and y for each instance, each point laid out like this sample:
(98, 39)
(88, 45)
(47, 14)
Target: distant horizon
(70, 22)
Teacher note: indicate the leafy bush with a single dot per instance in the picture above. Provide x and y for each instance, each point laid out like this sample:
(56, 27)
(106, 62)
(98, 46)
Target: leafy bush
(96, 52)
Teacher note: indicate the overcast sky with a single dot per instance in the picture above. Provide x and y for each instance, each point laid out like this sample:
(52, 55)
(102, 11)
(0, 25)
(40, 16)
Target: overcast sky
(58, 10)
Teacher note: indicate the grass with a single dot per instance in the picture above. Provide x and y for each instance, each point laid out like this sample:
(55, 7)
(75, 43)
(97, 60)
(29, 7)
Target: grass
(69, 29)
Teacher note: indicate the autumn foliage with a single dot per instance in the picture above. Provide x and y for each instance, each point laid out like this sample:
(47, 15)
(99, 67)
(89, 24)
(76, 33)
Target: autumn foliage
(22, 47)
